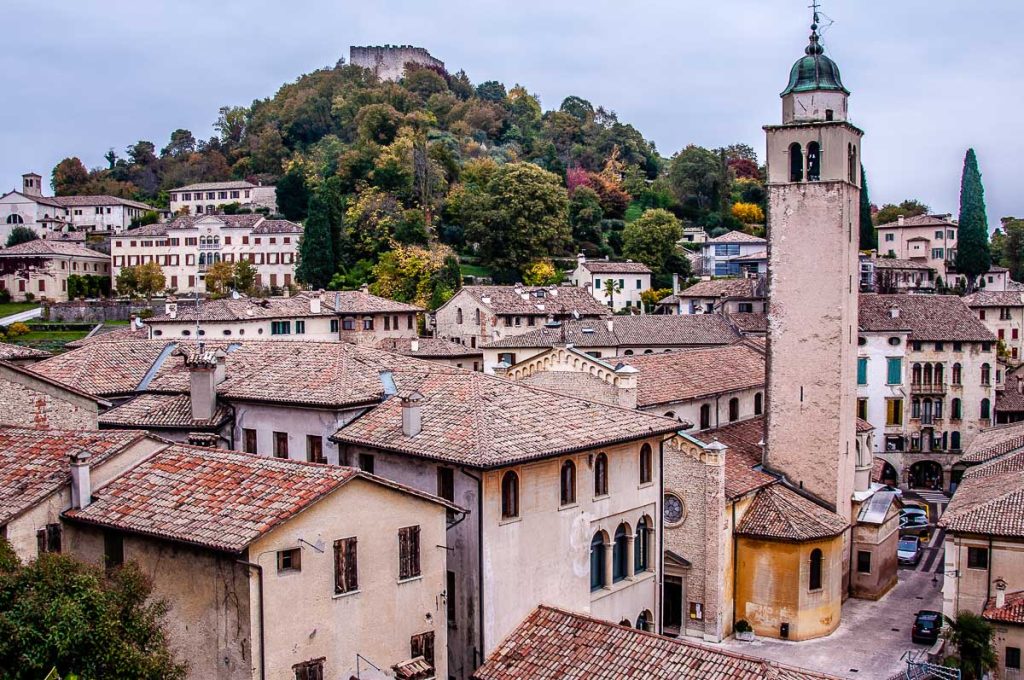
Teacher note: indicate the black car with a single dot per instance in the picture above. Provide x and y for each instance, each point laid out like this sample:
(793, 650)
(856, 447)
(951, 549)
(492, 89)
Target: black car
(927, 625)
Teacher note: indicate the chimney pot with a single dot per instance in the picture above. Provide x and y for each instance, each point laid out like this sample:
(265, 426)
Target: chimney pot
(894, 313)
(412, 414)
(611, 325)
(899, 220)
(81, 485)
(1000, 585)
(414, 345)
(314, 303)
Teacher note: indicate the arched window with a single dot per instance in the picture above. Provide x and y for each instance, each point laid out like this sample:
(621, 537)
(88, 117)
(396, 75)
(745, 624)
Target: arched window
(670, 414)
(568, 483)
(643, 622)
(641, 541)
(476, 315)
(597, 562)
(734, 409)
(705, 416)
(954, 440)
(202, 259)
(796, 163)
(927, 374)
(915, 374)
(628, 353)
(620, 554)
(814, 578)
(813, 162)
(646, 464)
(601, 475)
(510, 495)
(915, 408)
(851, 157)
(938, 408)
(986, 374)
(758, 404)
(956, 374)
(939, 374)
(458, 315)
(986, 408)
(956, 410)
(15, 218)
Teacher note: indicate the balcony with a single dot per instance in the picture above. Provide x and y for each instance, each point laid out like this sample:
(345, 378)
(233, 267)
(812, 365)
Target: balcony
(928, 388)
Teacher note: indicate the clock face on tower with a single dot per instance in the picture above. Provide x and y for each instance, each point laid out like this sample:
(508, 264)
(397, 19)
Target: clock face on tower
(673, 509)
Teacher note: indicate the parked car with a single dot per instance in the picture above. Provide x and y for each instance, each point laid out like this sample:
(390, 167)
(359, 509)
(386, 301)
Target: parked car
(908, 550)
(913, 520)
(915, 507)
(927, 625)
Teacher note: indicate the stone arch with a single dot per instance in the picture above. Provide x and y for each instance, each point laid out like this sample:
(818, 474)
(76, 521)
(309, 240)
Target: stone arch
(796, 163)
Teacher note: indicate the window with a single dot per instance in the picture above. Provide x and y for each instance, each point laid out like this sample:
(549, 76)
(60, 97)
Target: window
(368, 323)
(597, 562)
(620, 554)
(113, 549)
(366, 462)
(310, 670)
(507, 358)
(423, 645)
(977, 558)
(509, 495)
(734, 409)
(348, 323)
(449, 597)
(862, 408)
(15, 218)
(957, 374)
(814, 577)
(893, 412)
(289, 560)
(863, 562)
(280, 445)
(280, 327)
(408, 552)
(705, 416)
(813, 162)
(601, 475)
(248, 440)
(334, 325)
(954, 440)
(300, 327)
(315, 448)
(567, 483)
(345, 566)
(796, 163)
(890, 238)
(862, 371)
(986, 374)
(646, 464)
(894, 374)
(937, 253)
(48, 539)
(458, 315)
(981, 314)
(758, 404)
(1013, 658)
(641, 545)
(986, 408)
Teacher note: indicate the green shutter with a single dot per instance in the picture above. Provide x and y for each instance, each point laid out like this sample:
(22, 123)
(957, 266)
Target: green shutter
(895, 371)
(862, 371)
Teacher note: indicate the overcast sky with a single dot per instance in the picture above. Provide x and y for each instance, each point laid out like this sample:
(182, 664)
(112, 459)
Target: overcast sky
(929, 78)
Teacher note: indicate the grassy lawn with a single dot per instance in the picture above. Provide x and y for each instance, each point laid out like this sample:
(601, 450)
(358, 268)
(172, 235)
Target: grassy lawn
(51, 341)
(15, 307)
(474, 270)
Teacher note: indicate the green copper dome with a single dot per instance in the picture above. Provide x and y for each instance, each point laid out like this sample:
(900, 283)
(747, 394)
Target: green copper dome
(814, 71)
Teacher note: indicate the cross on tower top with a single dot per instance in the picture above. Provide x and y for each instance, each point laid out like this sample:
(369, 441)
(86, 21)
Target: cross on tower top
(814, 9)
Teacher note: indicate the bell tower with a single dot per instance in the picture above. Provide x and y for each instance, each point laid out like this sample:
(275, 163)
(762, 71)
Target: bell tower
(813, 216)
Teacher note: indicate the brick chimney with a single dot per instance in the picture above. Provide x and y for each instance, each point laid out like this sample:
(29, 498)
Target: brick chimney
(171, 307)
(414, 345)
(1000, 585)
(412, 414)
(315, 302)
(900, 220)
(206, 369)
(581, 259)
(81, 485)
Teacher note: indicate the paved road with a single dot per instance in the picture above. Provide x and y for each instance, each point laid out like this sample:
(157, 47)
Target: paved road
(22, 316)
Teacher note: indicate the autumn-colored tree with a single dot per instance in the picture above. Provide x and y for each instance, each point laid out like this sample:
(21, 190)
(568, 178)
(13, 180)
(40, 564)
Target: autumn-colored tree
(652, 297)
(219, 279)
(69, 176)
(614, 200)
(576, 177)
(427, 277)
(748, 213)
(144, 279)
(744, 168)
(542, 273)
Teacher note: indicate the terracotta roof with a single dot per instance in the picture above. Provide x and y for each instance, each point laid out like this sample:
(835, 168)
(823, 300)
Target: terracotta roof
(277, 227)
(23, 370)
(46, 248)
(535, 300)
(893, 263)
(780, 513)
(630, 331)
(118, 335)
(1012, 610)
(103, 368)
(208, 186)
(736, 237)
(606, 267)
(482, 421)
(1010, 399)
(989, 499)
(716, 288)
(694, 373)
(34, 463)
(985, 298)
(749, 322)
(83, 201)
(743, 455)
(992, 442)
(244, 221)
(162, 411)
(864, 426)
(9, 352)
(752, 257)
(428, 348)
(921, 221)
(553, 644)
(297, 306)
(358, 302)
(927, 317)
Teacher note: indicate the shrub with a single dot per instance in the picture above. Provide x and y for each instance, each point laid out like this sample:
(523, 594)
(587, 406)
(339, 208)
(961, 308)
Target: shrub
(16, 329)
(5, 296)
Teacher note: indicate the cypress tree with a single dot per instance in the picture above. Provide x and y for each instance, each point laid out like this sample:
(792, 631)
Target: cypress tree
(972, 256)
(316, 252)
(868, 235)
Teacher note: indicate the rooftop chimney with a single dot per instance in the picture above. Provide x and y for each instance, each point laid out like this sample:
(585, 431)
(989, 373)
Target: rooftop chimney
(315, 301)
(171, 307)
(899, 220)
(894, 313)
(581, 258)
(81, 486)
(1000, 585)
(611, 325)
(414, 345)
(412, 414)
(205, 369)
(365, 288)
(675, 284)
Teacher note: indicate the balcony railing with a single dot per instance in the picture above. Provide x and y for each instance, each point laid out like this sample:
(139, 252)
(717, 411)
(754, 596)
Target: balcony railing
(928, 388)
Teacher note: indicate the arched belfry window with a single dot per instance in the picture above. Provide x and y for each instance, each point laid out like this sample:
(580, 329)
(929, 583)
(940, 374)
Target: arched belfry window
(852, 160)
(796, 163)
(813, 162)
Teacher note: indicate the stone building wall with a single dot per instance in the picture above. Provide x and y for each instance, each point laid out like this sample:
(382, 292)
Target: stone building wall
(388, 61)
(99, 311)
(30, 402)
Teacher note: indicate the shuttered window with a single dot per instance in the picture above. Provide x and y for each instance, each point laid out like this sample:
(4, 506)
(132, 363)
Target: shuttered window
(423, 645)
(345, 566)
(408, 552)
(48, 539)
(862, 371)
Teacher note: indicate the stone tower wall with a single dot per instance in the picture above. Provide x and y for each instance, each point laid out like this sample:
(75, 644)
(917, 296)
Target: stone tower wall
(388, 61)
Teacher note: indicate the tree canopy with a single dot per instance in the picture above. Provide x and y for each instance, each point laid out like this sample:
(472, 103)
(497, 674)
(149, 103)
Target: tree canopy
(972, 256)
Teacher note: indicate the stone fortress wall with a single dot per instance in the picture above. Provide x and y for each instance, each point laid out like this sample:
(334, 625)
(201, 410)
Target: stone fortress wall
(388, 61)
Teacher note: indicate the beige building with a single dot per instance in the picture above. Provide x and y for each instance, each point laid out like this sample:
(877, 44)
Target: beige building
(346, 316)
(928, 239)
(435, 349)
(889, 275)
(41, 268)
(719, 296)
(302, 571)
(615, 284)
(480, 314)
(984, 550)
(187, 247)
(1003, 314)
(208, 198)
(734, 253)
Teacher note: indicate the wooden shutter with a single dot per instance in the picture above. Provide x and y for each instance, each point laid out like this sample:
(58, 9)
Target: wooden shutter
(423, 645)
(403, 555)
(351, 570)
(339, 566)
(41, 541)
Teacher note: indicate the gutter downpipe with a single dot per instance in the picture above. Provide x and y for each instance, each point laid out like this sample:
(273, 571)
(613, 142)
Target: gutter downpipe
(661, 544)
(734, 541)
(480, 557)
(263, 656)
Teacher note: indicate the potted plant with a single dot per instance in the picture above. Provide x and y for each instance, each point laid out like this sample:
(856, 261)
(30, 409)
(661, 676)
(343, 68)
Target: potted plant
(744, 631)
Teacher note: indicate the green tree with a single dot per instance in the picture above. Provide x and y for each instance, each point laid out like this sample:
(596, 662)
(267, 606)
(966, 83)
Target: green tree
(696, 173)
(69, 176)
(378, 123)
(491, 91)
(316, 253)
(292, 195)
(21, 234)
(128, 281)
(245, 276)
(57, 613)
(585, 215)
(423, 276)
(1008, 246)
(972, 256)
(908, 208)
(182, 143)
(609, 289)
(219, 279)
(868, 235)
(150, 279)
(652, 238)
(971, 635)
